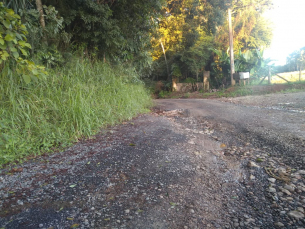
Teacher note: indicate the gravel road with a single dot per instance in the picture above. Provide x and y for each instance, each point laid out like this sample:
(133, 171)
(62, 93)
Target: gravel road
(226, 163)
(275, 120)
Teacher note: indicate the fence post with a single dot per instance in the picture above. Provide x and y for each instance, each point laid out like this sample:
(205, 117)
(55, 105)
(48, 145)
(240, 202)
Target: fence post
(206, 83)
(269, 76)
(174, 84)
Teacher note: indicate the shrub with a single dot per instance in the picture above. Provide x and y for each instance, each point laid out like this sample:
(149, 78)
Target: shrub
(13, 46)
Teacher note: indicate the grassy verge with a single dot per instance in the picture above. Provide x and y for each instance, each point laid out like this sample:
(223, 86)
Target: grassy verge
(260, 90)
(237, 91)
(73, 102)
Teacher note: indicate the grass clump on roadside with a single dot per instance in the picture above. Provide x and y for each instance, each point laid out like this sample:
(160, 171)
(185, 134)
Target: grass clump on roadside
(261, 90)
(72, 102)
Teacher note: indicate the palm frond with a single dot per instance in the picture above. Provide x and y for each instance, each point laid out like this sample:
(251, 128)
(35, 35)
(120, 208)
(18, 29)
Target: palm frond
(17, 5)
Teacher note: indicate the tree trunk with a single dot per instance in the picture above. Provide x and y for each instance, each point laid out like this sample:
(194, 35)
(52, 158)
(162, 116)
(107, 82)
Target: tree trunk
(300, 73)
(42, 22)
(168, 75)
(40, 10)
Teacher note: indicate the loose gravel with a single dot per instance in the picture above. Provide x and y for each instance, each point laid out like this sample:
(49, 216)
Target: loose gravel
(172, 168)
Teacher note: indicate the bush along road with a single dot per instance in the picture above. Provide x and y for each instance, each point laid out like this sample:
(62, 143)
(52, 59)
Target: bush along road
(226, 163)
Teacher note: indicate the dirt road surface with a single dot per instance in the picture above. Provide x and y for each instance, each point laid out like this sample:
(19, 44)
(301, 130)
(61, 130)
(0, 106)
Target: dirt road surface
(226, 163)
(276, 120)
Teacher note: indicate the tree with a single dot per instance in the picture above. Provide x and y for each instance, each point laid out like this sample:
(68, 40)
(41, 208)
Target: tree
(197, 56)
(12, 35)
(14, 48)
(186, 31)
(296, 61)
(41, 16)
(251, 29)
(119, 30)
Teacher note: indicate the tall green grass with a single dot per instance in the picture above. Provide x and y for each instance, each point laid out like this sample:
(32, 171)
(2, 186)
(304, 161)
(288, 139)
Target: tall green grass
(72, 102)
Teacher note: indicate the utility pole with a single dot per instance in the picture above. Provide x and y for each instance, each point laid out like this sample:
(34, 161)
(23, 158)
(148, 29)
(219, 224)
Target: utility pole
(231, 48)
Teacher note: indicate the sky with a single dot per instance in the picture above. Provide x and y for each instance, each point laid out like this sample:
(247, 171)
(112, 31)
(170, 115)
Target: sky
(288, 17)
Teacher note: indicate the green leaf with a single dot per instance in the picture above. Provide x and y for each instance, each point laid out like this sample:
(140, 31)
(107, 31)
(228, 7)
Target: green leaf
(6, 24)
(26, 78)
(3, 46)
(18, 36)
(8, 37)
(21, 43)
(15, 54)
(28, 45)
(75, 225)
(23, 27)
(72, 186)
(10, 44)
(4, 55)
(10, 11)
(35, 72)
(1, 41)
(23, 51)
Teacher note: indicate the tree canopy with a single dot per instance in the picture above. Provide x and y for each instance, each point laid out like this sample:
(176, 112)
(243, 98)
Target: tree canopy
(296, 60)
(189, 31)
(171, 38)
(251, 29)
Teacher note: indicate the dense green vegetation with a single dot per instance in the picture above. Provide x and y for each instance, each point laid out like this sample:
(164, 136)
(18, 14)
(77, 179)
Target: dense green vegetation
(73, 102)
(69, 93)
